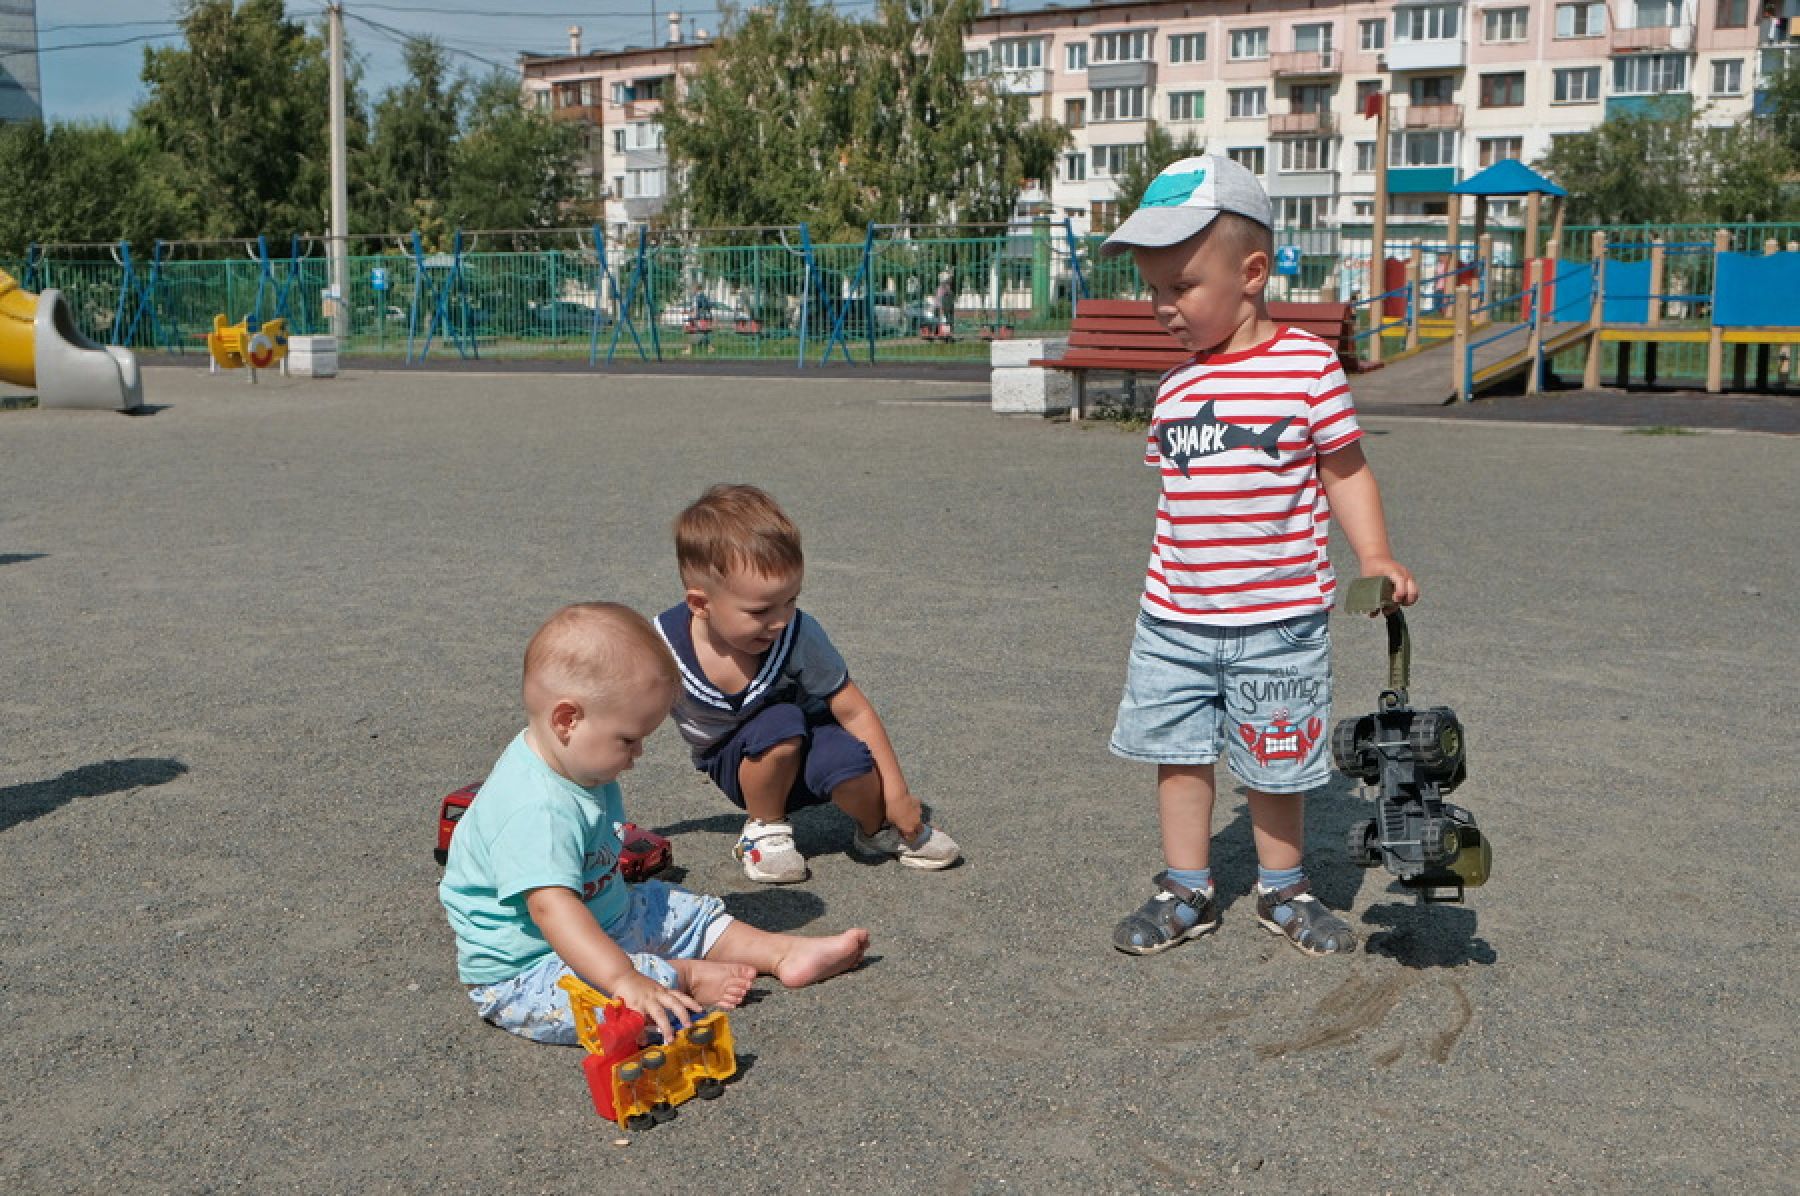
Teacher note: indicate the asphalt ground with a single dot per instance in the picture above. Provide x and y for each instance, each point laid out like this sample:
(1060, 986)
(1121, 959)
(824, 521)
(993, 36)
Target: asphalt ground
(252, 637)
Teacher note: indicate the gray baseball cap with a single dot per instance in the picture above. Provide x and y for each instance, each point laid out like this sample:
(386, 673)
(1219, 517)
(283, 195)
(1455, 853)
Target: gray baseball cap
(1185, 198)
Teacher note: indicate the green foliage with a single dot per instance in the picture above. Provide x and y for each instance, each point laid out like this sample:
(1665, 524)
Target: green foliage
(404, 179)
(798, 114)
(1160, 150)
(78, 182)
(1670, 167)
(512, 168)
(240, 113)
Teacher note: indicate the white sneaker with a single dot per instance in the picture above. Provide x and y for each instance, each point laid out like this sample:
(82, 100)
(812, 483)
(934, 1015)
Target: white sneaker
(769, 855)
(930, 849)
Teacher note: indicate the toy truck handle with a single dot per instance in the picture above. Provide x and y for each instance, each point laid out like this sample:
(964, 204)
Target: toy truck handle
(1366, 596)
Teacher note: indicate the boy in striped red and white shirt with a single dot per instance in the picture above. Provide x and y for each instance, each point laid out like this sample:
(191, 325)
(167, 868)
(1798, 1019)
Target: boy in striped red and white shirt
(1257, 443)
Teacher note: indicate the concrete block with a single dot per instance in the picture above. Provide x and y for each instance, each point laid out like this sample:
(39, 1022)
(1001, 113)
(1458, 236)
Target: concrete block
(312, 356)
(1032, 390)
(1007, 354)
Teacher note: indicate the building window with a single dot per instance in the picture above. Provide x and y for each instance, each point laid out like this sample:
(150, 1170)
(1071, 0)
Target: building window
(618, 141)
(1362, 209)
(1075, 57)
(1364, 89)
(1021, 54)
(1118, 103)
(621, 93)
(1503, 91)
(1298, 211)
(1578, 85)
(1312, 39)
(1372, 35)
(1431, 89)
(1731, 14)
(1187, 105)
(1110, 160)
(1657, 14)
(1428, 23)
(1305, 153)
(1074, 167)
(975, 64)
(1250, 157)
(1503, 25)
(644, 184)
(1499, 149)
(1365, 157)
(1434, 148)
(1248, 103)
(1649, 74)
(1104, 216)
(1728, 77)
(1309, 97)
(1247, 44)
(1075, 113)
(1581, 20)
(1133, 46)
(1187, 47)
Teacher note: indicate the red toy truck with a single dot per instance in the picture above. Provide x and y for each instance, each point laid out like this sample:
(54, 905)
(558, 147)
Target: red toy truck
(646, 853)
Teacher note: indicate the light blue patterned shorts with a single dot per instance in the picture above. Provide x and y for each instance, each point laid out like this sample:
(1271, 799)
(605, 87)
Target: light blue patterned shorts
(664, 923)
(1262, 693)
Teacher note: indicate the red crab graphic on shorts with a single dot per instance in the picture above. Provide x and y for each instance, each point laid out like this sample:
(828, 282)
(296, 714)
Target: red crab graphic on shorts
(1281, 740)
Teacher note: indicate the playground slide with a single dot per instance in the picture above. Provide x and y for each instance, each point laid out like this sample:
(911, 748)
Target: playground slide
(41, 349)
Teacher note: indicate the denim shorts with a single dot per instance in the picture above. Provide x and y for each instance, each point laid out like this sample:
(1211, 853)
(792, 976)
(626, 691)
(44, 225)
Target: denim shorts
(664, 923)
(1263, 691)
(829, 755)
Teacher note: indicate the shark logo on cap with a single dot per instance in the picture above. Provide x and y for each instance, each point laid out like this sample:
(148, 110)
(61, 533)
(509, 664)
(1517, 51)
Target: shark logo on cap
(1173, 190)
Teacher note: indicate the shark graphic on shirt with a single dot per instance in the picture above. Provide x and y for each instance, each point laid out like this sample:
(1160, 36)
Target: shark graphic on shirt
(1204, 434)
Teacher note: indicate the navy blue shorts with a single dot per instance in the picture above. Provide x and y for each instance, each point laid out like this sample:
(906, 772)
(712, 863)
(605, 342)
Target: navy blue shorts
(829, 755)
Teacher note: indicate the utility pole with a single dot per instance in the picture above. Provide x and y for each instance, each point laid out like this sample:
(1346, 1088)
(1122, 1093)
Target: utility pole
(1378, 234)
(340, 184)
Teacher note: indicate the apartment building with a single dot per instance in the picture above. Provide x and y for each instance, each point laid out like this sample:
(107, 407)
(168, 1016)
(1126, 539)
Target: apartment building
(21, 96)
(1281, 86)
(617, 96)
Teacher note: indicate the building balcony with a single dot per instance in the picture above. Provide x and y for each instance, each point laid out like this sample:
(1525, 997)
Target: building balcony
(1030, 81)
(642, 109)
(587, 114)
(1301, 64)
(1661, 37)
(1299, 124)
(1446, 55)
(1431, 116)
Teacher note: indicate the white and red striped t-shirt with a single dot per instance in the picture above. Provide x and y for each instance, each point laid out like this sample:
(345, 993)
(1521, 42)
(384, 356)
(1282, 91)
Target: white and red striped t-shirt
(1242, 523)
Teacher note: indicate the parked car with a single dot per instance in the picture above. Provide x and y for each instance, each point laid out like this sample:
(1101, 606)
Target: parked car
(723, 315)
(564, 317)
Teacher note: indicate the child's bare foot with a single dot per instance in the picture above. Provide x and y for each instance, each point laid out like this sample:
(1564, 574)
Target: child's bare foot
(810, 960)
(713, 983)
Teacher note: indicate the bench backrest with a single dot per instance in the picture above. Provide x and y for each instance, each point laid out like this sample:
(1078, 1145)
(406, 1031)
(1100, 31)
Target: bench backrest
(1127, 327)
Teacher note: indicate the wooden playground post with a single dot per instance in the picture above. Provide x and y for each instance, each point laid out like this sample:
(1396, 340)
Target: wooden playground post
(1414, 300)
(1459, 343)
(1531, 225)
(1484, 253)
(1378, 233)
(1453, 232)
(1590, 376)
(1534, 337)
(1657, 253)
(1715, 344)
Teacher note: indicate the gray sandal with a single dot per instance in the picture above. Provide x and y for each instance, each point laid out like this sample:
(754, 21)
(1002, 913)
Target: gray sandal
(1157, 927)
(1313, 928)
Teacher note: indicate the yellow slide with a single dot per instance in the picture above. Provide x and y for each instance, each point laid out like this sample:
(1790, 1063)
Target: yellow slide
(42, 350)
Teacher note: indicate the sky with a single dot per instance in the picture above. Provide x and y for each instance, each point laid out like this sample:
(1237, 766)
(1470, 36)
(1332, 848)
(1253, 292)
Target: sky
(90, 81)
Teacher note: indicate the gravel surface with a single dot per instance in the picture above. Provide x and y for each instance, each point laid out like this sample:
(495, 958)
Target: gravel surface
(253, 637)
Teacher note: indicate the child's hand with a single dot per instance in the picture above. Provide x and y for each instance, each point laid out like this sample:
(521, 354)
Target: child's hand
(1406, 590)
(665, 1007)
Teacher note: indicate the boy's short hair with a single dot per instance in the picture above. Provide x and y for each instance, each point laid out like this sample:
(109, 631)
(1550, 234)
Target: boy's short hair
(589, 649)
(1241, 236)
(735, 526)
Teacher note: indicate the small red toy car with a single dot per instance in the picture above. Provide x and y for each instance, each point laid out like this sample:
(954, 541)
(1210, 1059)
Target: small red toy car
(644, 855)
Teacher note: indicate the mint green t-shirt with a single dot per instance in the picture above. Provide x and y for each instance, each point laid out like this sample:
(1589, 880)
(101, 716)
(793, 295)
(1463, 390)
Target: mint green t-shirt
(528, 828)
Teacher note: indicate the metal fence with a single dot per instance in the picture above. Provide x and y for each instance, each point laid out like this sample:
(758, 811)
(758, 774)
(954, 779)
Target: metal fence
(899, 294)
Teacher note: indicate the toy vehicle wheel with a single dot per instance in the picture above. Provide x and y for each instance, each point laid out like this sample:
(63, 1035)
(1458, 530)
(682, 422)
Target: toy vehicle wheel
(701, 1035)
(1345, 752)
(1435, 737)
(653, 1059)
(629, 1073)
(662, 1112)
(639, 1121)
(1359, 843)
(708, 1088)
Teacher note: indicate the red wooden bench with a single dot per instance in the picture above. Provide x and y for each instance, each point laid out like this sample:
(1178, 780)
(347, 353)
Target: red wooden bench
(1121, 336)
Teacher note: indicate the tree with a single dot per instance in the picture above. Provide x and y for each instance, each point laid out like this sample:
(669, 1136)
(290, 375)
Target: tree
(81, 182)
(240, 113)
(797, 114)
(513, 167)
(405, 176)
(1159, 150)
